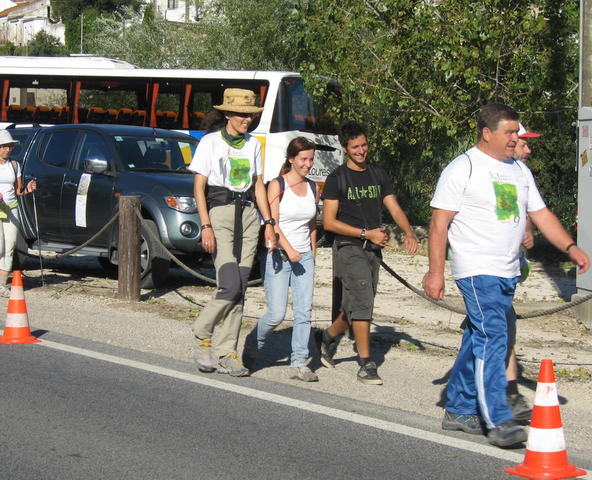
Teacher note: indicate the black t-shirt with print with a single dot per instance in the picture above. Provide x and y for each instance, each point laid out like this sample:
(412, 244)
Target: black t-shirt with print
(364, 190)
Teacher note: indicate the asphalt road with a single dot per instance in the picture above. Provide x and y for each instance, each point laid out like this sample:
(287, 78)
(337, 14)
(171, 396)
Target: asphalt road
(73, 409)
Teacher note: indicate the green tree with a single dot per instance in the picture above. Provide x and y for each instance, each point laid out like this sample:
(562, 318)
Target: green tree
(45, 45)
(71, 9)
(417, 72)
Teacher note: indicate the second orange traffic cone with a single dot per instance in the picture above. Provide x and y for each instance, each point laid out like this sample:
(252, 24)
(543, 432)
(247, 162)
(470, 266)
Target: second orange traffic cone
(16, 328)
(546, 456)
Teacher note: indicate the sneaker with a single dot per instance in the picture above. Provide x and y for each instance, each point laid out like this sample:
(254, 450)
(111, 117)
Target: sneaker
(302, 372)
(468, 423)
(507, 434)
(203, 355)
(4, 291)
(521, 411)
(327, 348)
(369, 375)
(250, 352)
(231, 365)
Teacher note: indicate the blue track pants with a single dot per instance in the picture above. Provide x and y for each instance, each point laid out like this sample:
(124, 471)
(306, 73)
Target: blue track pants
(478, 382)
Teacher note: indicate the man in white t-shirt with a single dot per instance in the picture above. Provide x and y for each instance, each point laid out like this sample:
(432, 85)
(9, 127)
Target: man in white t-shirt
(480, 206)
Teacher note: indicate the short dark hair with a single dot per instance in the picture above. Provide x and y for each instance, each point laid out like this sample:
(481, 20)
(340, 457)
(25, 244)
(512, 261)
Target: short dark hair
(491, 114)
(350, 130)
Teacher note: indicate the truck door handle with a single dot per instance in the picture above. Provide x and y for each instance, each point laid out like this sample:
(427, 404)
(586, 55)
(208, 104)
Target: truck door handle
(70, 184)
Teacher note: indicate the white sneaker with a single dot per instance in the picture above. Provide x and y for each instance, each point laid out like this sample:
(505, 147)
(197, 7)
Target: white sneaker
(302, 372)
(4, 291)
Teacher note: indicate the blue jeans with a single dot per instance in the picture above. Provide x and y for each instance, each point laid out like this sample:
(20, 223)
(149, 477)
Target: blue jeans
(280, 275)
(478, 382)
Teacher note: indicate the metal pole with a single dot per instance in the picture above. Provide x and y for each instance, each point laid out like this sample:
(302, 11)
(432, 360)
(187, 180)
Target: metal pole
(38, 240)
(585, 53)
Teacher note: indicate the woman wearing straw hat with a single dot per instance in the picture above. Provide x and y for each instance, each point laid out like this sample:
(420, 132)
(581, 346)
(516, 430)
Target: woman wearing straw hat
(11, 185)
(228, 191)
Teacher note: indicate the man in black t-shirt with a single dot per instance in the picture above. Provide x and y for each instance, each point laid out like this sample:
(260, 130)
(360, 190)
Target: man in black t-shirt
(353, 197)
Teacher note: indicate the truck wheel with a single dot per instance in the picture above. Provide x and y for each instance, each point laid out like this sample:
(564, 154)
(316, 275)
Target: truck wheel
(154, 265)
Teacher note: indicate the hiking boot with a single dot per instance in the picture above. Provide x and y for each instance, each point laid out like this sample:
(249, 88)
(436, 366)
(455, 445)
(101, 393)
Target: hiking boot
(521, 411)
(327, 347)
(468, 423)
(507, 434)
(231, 365)
(203, 355)
(4, 291)
(302, 372)
(250, 352)
(369, 375)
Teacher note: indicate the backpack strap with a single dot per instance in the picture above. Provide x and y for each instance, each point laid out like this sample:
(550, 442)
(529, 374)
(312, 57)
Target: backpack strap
(282, 183)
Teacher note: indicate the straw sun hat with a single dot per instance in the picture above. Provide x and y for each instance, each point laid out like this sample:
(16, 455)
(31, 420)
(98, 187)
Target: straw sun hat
(239, 100)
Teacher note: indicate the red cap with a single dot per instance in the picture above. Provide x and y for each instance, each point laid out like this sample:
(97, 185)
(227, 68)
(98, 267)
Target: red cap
(523, 133)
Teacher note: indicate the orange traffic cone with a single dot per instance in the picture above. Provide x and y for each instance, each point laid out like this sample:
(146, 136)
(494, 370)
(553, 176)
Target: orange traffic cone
(16, 328)
(546, 457)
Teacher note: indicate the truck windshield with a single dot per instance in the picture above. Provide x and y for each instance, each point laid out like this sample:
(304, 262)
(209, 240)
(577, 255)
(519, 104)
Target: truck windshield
(141, 153)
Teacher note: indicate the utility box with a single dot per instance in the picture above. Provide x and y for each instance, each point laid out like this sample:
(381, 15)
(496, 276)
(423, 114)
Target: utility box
(584, 282)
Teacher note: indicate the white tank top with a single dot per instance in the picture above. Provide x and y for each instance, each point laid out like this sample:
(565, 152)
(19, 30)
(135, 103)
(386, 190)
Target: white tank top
(295, 214)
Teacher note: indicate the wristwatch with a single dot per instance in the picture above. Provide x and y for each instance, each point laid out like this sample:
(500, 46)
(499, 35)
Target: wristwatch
(269, 221)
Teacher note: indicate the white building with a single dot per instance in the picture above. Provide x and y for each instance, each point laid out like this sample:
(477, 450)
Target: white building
(21, 20)
(184, 11)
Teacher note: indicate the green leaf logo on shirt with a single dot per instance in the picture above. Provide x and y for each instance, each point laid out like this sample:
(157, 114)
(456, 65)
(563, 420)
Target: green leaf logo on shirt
(506, 202)
(239, 171)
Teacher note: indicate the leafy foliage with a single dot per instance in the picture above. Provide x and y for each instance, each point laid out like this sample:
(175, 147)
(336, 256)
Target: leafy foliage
(417, 72)
(45, 45)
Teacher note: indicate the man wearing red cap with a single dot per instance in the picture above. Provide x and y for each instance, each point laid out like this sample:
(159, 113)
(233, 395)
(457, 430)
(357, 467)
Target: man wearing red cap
(520, 408)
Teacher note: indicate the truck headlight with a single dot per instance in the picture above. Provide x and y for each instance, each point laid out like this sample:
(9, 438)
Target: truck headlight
(181, 204)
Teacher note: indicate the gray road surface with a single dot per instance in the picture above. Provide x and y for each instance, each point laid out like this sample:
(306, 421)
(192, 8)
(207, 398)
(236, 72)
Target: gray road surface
(69, 416)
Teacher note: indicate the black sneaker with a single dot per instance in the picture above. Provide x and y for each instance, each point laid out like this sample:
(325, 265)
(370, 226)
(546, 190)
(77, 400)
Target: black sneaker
(327, 348)
(369, 375)
(521, 411)
(250, 351)
(468, 423)
(507, 434)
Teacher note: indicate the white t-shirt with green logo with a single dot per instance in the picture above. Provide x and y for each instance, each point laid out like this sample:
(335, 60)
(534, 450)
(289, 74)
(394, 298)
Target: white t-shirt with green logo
(491, 199)
(226, 166)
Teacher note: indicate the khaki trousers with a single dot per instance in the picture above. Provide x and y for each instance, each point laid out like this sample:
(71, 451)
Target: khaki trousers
(226, 304)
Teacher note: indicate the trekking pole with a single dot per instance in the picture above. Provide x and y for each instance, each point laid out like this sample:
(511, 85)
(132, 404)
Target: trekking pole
(38, 239)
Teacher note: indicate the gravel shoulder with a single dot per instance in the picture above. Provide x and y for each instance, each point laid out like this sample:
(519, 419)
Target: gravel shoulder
(414, 341)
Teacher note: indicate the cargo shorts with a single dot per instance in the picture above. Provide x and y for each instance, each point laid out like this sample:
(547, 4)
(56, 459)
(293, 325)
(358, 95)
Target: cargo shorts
(357, 269)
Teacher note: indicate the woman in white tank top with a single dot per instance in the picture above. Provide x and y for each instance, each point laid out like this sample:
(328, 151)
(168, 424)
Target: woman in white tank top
(293, 206)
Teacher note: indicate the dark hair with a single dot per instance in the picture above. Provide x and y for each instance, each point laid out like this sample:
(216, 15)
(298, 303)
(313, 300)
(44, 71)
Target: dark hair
(213, 121)
(350, 130)
(296, 145)
(490, 115)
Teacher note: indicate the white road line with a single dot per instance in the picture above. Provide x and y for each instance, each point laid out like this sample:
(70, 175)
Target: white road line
(509, 456)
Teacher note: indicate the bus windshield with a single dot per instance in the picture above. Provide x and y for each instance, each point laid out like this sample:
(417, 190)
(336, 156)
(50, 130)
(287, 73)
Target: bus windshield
(295, 110)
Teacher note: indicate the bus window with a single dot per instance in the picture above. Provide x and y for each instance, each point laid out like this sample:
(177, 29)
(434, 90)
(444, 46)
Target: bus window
(32, 99)
(111, 95)
(295, 110)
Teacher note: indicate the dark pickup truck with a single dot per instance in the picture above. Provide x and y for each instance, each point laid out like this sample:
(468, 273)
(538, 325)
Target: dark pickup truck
(82, 170)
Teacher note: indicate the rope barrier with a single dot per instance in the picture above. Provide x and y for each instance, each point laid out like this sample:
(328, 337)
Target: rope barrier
(462, 311)
(172, 257)
(259, 281)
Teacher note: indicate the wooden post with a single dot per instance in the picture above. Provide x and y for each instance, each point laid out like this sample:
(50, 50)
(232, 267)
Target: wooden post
(129, 249)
